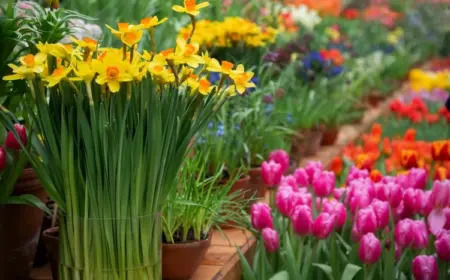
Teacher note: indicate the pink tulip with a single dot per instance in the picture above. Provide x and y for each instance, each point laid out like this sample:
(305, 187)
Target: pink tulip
(311, 168)
(402, 180)
(369, 249)
(403, 233)
(3, 159)
(289, 180)
(271, 173)
(271, 240)
(381, 209)
(366, 220)
(261, 216)
(398, 252)
(334, 207)
(440, 194)
(424, 203)
(425, 268)
(356, 173)
(302, 220)
(285, 187)
(282, 158)
(391, 192)
(417, 178)
(283, 202)
(301, 177)
(442, 245)
(338, 193)
(399, 212)
(389, 179)
(299, 198)
(447, 218)
(324, 183)
(323, 225)
(359, 200)
(419, 235)
(356, 235)
(11, 141)
(412, 200)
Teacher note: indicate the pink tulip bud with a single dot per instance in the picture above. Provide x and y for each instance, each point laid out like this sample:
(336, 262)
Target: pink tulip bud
(440, 194)
(271, 173)
(447, 218)
(425, 268)
(417, 178)
(334, 207)
(366, 220)
(283, 202)
(299, 198)
(419, 235)
(381, 209)
(302, 220)
(3, 159)
(424, 203)
(311, 168)
(271, 240)
(359, 200)
(403, 233)
(285, 187)
(282, 158)
(442, 245)
(356, 235)
(261, 216)
(399, 212)
(402, 180)
(414, 200)
(338, 193)
(289, 180)
(11, 141)
(324, 183)
(369, 249)
(301, 177)
(356, 173)
(398, 252)
(391, 192)
(323, 225)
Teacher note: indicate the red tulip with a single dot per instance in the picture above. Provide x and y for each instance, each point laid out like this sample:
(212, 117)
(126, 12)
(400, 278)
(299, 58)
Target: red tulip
(442, 245)
(271, 240)
(282, 158)
(11, 141)
(271, 173)
(261, 216)
(323, 225)
(3, 158)
(425, 268)
(369, 249)
(302, 220)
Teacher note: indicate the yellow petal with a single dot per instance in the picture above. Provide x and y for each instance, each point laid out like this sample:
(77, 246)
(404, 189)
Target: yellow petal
(114, 86)
(178, 8)
(201, 5)
(13, 77)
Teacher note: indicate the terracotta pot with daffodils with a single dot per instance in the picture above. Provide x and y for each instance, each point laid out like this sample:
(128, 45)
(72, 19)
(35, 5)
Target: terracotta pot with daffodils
(114, 126)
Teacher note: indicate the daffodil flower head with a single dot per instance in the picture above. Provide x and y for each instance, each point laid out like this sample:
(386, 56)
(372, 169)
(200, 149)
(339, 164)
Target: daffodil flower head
(225, 67)
(190, 7)
(129, 34)
(186, 53)
(83, 71)
(86, 43)
(57, 76)
(242, 79)
(111, 71)
(57, 50)
(151, 22)
(205, 87)
(30, 65)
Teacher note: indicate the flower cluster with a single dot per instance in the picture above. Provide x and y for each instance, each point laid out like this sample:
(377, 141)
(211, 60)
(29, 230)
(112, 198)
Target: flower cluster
(325, 62)
(183, 66)
(228, 33)
(424, 80)
(399, 207)
(417, 111)
(11, 144)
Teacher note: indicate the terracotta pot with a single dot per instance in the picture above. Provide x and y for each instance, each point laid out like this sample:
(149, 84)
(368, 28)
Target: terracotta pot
(180, 261)
(313, 142)
(330, 136)
(51, 241)
(20, 227)
(298, 148)
(256, 182)
(374, 99)
(243, 185)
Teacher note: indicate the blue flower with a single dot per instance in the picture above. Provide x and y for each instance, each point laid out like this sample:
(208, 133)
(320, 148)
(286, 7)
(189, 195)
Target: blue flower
(313, 61)
(201, 140)
(220, 130)
(237, 127)
(334, 71)
(214, 77)
(210, 125)
(269, 108)
(289, 118)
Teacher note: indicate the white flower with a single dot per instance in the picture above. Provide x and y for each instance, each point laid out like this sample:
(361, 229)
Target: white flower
(303, 15)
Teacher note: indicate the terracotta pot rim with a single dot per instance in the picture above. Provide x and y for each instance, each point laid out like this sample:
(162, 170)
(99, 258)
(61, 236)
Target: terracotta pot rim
(50, 233)
(189, 243)
(246, 177)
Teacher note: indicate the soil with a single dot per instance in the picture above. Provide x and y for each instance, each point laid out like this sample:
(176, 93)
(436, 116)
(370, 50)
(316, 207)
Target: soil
(190, 237)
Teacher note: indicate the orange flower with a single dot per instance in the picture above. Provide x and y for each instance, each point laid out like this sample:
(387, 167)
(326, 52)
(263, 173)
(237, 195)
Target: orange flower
(371, 143)
(334, 55)
(410, 135)
(388, 166)
(432, 118)
(440, 150)
(386, 146)
(376, 176)
(442, 173)
(376, 130)
(336, 165)
(364, 161)
(409, 159)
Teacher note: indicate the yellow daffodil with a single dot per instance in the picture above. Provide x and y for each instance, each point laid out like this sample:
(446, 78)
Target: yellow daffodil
(206, 59)
(129, 34)
(151, 22)
(86, 43)
(190, 7)
(30, 65)
(192, 81)
(57, 76)
(168, 53)
(111, 71)
(205, 87)
(230, 91)
(225, 67)
(187, 54)
(57, 50)
(83, 71)
(333, 33)
(242, 79)
(147, 56)
(157, 68)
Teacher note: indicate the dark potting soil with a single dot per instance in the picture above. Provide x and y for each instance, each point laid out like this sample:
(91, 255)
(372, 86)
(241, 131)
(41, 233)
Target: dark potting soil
(177, 237)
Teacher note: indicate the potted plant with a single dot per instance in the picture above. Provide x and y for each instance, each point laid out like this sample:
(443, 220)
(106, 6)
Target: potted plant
(114, 126)
(193, 209)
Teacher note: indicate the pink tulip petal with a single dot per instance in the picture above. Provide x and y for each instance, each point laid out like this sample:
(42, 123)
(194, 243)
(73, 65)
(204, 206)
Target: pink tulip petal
(436, 221)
